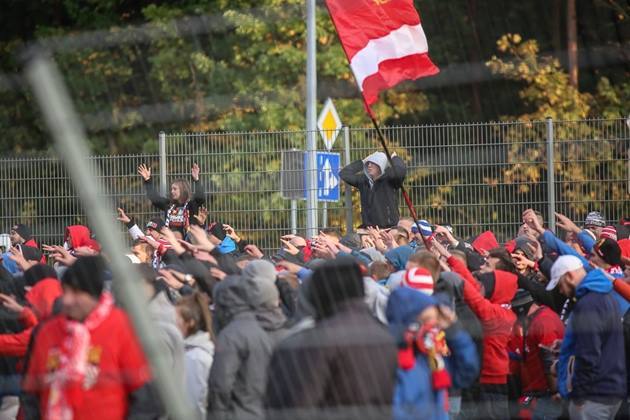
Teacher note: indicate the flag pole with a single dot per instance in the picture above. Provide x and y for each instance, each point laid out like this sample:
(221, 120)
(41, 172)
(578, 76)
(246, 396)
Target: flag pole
(408, 201)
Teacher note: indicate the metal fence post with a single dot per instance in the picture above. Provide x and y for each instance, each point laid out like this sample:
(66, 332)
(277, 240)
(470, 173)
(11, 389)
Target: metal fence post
(348, 190)
(551, 181)
(162, 144)
(70, 140)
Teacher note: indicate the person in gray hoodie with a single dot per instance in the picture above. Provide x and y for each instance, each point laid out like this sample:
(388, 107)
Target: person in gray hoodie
(378, 183)
(260, 278)
(162, 313)
(236, 386)
(195, 322)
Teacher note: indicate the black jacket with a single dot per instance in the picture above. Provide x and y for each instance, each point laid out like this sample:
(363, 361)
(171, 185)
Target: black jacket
(379, 202)
(177, 216)
(343, 367)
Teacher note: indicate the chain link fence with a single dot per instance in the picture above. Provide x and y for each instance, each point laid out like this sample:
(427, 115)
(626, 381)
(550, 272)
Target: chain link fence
(473, 176)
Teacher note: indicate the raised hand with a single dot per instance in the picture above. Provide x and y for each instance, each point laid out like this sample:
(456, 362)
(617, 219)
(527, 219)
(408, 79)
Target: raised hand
(60, 254)
(530, 218)
(122, 216)
(566, 224)
(201, 239)
(194, 171)
(523, 261)
(289, 247)
(217, 273)
(202, 215)
(172, 239)
(229, 231)
(15, 254)
(144, 171)
(254, 251)
(295, 240)
(10, 303)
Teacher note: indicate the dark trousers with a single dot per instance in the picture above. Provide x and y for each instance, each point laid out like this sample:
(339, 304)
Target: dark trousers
(494, 402)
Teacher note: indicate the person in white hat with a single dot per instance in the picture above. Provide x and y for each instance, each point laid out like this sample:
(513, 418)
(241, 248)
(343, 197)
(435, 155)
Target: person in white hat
(591, 369)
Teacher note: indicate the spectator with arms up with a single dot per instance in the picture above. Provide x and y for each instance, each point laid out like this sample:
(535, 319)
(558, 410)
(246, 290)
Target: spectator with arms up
(378, 184)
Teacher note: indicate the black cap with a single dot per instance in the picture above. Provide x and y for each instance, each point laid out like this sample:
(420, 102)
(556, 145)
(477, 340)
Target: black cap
(608, 250)
(156, 223)
(22, 230)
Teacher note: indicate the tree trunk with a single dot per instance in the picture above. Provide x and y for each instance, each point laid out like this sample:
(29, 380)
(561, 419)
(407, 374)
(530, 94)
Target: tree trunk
(572, 42)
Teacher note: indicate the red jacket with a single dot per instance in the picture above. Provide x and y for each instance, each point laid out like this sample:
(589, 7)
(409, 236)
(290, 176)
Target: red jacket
(496, 317)
(116, 367)
(41, 298)
(79, 235)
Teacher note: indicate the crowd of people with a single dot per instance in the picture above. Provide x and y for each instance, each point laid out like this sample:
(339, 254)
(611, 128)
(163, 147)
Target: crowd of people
(400, 319)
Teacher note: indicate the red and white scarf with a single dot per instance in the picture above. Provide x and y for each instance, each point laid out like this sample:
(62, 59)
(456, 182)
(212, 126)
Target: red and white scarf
(67, 382)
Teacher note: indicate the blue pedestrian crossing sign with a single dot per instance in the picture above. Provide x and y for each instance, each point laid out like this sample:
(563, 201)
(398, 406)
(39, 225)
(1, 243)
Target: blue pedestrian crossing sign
(327, 176)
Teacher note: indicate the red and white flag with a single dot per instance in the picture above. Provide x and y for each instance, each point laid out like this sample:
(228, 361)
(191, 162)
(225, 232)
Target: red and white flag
(384, 42)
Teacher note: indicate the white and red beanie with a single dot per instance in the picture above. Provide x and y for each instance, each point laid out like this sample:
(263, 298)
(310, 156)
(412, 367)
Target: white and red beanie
(419, 279)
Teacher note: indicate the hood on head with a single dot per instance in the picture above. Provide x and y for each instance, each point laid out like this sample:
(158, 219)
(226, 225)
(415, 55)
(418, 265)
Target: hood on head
(594, 281)
(333, 283)
(398, 257)
(260, 280)
(523, 243)
(230, 298)
(505, 287)
(403, 307)
(43, 295)
(79, 234)
(379, 158)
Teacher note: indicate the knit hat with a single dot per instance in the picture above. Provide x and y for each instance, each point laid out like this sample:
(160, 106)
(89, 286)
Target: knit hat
(608, 250)
(87, 275)
(425, 228)
(398, 257)
(609, 232)
(419, 279)
(260, 278)
(22, 230)
(156, 223)
(595, 218)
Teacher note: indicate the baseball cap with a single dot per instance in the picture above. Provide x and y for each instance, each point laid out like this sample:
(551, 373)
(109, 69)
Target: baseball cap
(563, 265)
(608, 250)
(155, 223)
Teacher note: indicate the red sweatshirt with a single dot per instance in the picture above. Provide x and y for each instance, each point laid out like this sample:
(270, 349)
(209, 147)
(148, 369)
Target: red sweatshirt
(496, 317)
(41, 298)
(116, 367)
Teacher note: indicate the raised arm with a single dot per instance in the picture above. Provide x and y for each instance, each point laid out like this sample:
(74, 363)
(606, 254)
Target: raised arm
(397, 172)
(156, 199)
(353, 174)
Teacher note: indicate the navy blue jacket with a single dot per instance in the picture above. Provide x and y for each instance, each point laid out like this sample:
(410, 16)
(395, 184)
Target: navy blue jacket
(595, 340)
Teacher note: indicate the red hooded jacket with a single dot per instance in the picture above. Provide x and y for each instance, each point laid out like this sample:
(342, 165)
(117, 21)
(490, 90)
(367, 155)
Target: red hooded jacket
(41, 298)
(496, 317)
(79, 236)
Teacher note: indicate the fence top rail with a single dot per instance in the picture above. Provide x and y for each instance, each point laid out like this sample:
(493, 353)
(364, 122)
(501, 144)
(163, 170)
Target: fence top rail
(412, 126)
